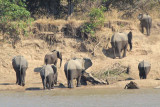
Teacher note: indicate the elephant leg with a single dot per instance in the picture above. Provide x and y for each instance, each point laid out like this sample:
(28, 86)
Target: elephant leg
(119, 48)
(142, 29)
(114, 53)
(78, 81)
(70, 84)
(144, 76)
(125, 50)
(119, 52)
(55, 78)
(23, 74)
(44, 82)
(19, 78)
(52, 85)
(17, 81)
(49, 85)
(147, 29)
(142, 73)
(55, 63)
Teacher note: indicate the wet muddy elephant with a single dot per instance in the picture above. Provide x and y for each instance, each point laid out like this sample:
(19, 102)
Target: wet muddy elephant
(144, 68)
(48, 75)
(145, 22)
(120, 41)
(51, 58)
(20, 66)
(74, 68)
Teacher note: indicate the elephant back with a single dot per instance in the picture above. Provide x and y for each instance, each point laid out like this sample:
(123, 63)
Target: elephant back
(50, 57)
(46, 70)
(19, 60)
(119, 37)
(143, 64)
(146, 16)
(74, 64)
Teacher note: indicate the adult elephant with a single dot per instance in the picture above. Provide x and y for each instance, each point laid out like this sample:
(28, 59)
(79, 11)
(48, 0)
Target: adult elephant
(145, 21)
(51, 58)
(120, 41)
(144, 68)
(74, 68)
(20, 66)
(48, 76)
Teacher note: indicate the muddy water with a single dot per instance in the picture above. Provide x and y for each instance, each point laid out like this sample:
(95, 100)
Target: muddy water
(81, 98)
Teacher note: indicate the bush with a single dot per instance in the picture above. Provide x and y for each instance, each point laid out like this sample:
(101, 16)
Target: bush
(96, 20)
(12, 11)
(14, 18)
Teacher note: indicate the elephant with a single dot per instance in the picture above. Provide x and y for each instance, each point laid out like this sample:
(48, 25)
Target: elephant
(120, 41)
(51, 58)
(48, 76)
(145, 21)
(20, 66)
(144, 68)
(74, 68)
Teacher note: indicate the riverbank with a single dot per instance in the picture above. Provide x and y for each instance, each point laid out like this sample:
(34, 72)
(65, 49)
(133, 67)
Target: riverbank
(142, 84)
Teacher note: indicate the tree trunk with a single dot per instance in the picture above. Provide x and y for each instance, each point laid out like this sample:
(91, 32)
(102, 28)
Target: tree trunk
(70, 7)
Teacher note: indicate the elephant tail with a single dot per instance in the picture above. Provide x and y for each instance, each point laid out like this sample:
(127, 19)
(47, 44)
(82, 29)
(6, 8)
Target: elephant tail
(20, 70)
(44, 84)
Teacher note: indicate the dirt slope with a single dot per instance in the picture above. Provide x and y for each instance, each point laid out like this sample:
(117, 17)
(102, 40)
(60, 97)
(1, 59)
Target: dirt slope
(144, 48)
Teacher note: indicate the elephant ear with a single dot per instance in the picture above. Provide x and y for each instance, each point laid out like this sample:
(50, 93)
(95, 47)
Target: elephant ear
(87, 63)
(140, 16)
(59, 54)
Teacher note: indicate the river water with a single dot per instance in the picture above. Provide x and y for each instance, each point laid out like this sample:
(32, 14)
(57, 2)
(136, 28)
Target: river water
(81, 98)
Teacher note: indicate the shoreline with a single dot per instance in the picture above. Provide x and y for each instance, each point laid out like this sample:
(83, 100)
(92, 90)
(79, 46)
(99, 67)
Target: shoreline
(142, 84)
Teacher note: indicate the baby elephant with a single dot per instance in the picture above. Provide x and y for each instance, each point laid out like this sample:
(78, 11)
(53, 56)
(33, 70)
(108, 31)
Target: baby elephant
(144, 68)
(48, 75)
(20, 66)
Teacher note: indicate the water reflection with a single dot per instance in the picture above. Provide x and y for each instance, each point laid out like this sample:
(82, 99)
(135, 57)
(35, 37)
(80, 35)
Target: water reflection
(81, 98)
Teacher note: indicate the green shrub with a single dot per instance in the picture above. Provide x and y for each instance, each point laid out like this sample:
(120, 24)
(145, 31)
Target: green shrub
(14, 17)
(96, 20)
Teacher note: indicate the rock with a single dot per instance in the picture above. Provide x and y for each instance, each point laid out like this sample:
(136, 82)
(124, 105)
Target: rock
(61, 85)
(93, 80)
(131, 85)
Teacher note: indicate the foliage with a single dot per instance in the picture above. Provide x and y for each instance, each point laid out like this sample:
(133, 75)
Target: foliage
(13, 10)
(14, 18)
(96, 20)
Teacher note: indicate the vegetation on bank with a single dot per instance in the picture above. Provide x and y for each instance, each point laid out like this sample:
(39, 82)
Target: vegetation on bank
(14, 19)
(17, 15)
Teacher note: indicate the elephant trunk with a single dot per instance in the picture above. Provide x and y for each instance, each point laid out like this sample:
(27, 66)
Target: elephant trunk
(60, 57)
(130, 40)
(60, 62)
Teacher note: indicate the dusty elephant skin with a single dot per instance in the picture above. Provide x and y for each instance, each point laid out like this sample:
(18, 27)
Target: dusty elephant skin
(120, 41)
(144, 68)
(74, 68)
(145, 22)
(51, 58)
(20, 66)
(48, 75)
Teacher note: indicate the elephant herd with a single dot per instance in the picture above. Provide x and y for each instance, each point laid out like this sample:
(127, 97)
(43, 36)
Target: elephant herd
(75, 67)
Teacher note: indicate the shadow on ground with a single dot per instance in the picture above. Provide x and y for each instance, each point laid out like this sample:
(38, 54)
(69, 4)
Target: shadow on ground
(108, 52)
(38, 69)
(33, 88)
(7, 83)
